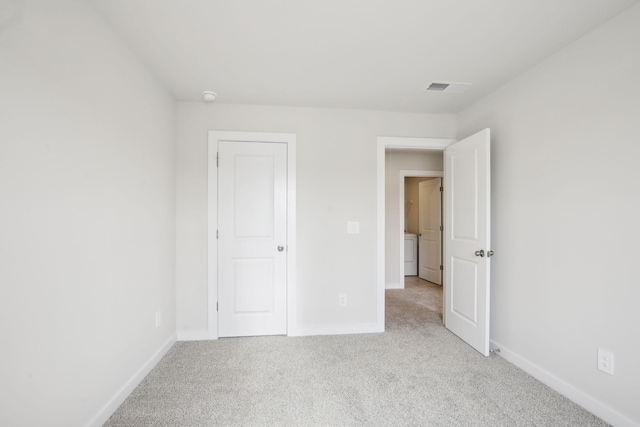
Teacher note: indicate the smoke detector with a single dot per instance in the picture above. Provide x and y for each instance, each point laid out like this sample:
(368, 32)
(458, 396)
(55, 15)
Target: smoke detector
(209, 96)
(447, 87)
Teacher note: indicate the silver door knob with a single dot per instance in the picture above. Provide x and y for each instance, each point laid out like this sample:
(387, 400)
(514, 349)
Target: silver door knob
(480, 253)
(280, 248)
(489, 254)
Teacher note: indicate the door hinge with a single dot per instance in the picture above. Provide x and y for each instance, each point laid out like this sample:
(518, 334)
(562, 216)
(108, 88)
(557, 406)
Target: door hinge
(217, 235)
(441, 188)
(440, 228)
(217, 306)
(441, 268)
(217, 159)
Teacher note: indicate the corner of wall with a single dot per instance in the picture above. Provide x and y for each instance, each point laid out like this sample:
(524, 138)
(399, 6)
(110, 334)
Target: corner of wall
(120, 396)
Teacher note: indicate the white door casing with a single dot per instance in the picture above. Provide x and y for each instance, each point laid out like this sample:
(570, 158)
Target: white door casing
(283, 140)
(467, 239)
(430, 235)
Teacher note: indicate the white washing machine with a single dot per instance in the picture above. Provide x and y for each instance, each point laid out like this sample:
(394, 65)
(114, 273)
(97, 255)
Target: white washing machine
(410, 254)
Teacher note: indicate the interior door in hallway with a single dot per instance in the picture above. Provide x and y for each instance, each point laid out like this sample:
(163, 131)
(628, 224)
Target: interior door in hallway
(467, 239)
(252, 236)
(430, 244)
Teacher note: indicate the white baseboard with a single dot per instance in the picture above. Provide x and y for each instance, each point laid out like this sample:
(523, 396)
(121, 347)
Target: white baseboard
(364, 328)
(361, 328)
(198, 335)
(394, 286)
(569, 391)
(110, 407)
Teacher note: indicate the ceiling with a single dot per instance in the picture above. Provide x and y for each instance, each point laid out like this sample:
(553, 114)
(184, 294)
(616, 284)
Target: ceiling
(364, 54)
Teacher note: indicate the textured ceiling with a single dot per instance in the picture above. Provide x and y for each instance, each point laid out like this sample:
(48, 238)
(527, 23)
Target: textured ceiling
(366, 54)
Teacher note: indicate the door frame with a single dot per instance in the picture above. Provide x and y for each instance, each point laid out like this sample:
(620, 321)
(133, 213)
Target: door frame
(384, 142)
(409, 173)
(212, 217)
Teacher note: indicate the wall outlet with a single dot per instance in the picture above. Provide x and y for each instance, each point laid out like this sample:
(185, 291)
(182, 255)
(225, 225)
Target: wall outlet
(158, 318)
(605, 361)
(342, 300)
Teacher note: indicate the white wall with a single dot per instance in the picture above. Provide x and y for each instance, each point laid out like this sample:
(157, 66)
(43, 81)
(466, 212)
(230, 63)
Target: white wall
(566, 203)
(336, 183)
(395, 161)
(87, 216)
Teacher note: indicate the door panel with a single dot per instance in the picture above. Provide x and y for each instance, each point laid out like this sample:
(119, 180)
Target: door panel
(464, 290)
(252, 224)
(430, 240)
(253, 196)
(254, 283)
(464, 179)
(467, 232)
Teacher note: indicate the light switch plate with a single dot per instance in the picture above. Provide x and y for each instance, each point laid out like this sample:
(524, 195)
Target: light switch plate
(158, 318)
(353, 227)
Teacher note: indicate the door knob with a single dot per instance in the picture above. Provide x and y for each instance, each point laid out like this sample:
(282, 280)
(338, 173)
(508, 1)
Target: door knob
(480, 253)
(489, 254)
(280, 248)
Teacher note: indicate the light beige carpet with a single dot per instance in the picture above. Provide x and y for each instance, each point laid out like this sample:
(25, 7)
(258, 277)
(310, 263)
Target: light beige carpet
(415, 374)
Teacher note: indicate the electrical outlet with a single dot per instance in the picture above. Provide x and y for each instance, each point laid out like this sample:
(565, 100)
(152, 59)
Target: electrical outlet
(158, 318)
(605, 361)
(342, 300)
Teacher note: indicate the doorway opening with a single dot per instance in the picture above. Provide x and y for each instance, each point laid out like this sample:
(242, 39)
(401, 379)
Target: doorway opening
(467, 227)
(420, 206)
(388, 270)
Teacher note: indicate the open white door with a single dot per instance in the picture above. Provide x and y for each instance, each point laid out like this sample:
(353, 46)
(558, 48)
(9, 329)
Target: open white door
(430, 247)
(467, 239)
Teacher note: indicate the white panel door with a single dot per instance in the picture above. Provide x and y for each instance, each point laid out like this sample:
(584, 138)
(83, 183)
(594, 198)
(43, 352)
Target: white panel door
(430, 243)
(252, 239)
(467, 239)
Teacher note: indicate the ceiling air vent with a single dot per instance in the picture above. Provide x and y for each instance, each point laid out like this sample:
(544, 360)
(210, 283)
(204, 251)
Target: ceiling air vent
(447, 87)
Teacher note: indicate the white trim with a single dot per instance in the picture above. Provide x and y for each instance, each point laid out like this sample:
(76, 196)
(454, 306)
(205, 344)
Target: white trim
(384, 142)
(395, 285)
(359, 328)
(400, 142)
(380, 255)
(201, 335)
(292, 249)
(571, 392)
(212, 256)
(408, 173)
(112, 405)
(212, 243)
